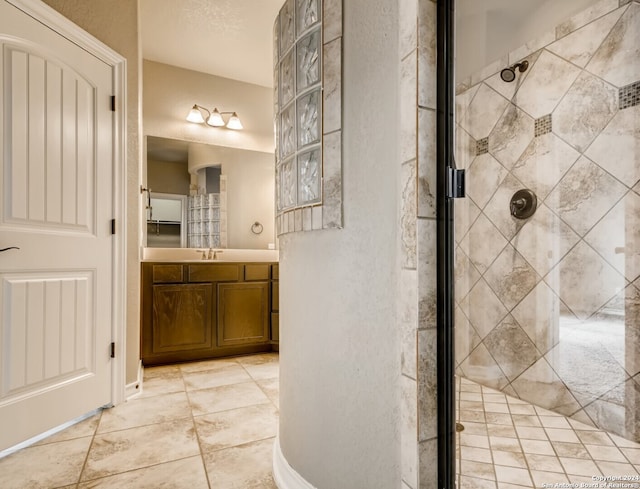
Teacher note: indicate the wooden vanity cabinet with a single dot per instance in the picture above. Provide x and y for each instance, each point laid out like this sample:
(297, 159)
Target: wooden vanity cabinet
(198, 311)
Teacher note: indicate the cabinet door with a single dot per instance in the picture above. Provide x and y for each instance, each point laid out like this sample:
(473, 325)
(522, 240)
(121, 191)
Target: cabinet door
(243, 313)
(181, 318)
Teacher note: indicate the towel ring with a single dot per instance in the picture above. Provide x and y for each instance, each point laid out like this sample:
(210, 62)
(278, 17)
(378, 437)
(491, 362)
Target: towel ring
(256, 228)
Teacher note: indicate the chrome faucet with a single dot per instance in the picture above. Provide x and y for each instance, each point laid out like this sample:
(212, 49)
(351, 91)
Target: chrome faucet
(211, 255)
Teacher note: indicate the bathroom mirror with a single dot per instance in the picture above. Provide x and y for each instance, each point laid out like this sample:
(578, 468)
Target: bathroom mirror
(178, 168)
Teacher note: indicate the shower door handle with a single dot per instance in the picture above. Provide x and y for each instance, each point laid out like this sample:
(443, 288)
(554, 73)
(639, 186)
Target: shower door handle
(455, 183)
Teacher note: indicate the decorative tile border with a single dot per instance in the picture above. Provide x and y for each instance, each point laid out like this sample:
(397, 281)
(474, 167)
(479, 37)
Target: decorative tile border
(543, 125)
(308, 115)
(629, 96)
(482, 146)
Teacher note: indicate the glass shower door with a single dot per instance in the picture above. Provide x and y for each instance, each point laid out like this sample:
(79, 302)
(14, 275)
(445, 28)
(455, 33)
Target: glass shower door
(548, 300)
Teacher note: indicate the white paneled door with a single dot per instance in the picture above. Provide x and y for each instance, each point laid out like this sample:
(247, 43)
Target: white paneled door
(56, 205)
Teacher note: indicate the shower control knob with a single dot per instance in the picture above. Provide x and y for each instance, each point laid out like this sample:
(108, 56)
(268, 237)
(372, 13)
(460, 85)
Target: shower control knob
(523, 204)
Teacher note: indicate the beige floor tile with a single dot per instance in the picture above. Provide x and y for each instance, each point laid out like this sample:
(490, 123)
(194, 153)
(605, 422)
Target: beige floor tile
(478, 469)
(501, 430)
(507, 485)
(594, 438)
(606, 454)
(259, 359)
(470, 396)
(531, 433)
(496, 407)
(163, 371)
(156, 386)
(187, 473)
(509, 459)
(557, 434)
(579, 466)
(541, 477)
(544, 463)
(499, 418)
(522, 409)
(205, 365)
(513, 475)
(145, 411)
(478, 441)
(491, 397)
(267, 370)
(505, 444)
(571, 450)
(476, 454)
(623, 442)
(236, 427)
(84, 428)
(271, 387)
(226, 397)
(539, 447)
(477, 416)
(135, 448)
(472, 405)
(579, 425)
(526, 420)
(555, 422)
(632, 454)
(44, 466)
(616, 468)
(244, 466)
(476, 483)
(226, 375)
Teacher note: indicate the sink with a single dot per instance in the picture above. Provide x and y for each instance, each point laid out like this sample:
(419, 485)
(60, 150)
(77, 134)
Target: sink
(191, 255)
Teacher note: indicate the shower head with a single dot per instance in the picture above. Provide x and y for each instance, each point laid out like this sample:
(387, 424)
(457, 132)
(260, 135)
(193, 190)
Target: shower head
(509, 74)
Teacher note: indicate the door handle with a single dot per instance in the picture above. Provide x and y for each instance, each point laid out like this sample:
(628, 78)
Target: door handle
(9, 248)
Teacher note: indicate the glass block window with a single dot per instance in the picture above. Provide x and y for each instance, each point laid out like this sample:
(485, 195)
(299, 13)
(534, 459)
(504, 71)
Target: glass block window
(300, 73)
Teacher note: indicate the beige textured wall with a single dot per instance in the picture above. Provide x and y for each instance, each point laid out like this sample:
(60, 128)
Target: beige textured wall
(169, 93)
(115, 22)
(168, 177)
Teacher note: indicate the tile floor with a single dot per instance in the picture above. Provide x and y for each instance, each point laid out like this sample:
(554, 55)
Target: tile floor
(510, 444)
(198, 426)
(212, 425)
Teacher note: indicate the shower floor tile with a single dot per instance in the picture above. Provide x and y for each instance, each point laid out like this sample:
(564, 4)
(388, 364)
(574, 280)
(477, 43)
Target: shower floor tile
(530, 447)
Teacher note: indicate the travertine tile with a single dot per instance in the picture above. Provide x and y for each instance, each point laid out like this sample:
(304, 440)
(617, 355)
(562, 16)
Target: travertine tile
(588, 15)
(246, 466)
(134, 448)
(409, 430)
(408, 213)
(229, 374)
(616, 59)
(145, 411)
(226, 397)
(575, 119)
(44, 466)
(513, 475)
(483, 112)
(549, 80)
(427, 385)
(484, 177)
(538, 315)
(511, 135)
(511, 277)
(483, 243)
(579, 466)
(187, 472)
(236, 427)
(579, 46)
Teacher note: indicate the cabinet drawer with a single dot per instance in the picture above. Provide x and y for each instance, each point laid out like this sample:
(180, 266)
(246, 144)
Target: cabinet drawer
(275, 271)
(214, 273)
(167, 274)
(256, 272)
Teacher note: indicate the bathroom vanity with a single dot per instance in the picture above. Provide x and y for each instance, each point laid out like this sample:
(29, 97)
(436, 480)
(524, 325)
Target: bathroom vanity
(199, 309)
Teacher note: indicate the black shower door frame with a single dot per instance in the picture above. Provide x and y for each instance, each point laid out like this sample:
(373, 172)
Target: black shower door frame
(445, 244)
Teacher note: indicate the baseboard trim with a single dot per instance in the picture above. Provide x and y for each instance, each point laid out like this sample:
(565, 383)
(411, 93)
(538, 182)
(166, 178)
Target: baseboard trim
(283, 474)
(134, 389)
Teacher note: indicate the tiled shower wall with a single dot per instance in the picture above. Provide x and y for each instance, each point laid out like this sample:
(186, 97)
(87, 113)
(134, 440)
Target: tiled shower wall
(548, 308)
(417, 285)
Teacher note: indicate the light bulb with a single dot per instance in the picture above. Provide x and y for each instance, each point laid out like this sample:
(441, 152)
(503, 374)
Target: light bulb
(234, 122)
(195, 115)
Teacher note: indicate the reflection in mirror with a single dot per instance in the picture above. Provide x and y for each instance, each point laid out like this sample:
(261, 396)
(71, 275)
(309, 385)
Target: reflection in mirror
(243, 180)
(166, 217)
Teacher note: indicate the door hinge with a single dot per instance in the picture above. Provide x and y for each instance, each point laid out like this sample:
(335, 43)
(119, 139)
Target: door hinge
(113, 350)
(455, 183)
(113, 226)
(113, 103)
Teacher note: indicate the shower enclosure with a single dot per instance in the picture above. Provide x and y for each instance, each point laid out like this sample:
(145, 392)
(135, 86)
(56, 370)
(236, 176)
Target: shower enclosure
(548, 301)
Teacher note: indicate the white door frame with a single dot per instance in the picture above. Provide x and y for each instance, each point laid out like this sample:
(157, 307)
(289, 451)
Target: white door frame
(63, 26)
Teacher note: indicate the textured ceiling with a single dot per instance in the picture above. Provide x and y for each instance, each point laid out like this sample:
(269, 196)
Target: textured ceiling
(228, 38)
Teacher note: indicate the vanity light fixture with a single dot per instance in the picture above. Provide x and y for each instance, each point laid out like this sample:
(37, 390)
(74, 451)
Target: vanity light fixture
(213, 118)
